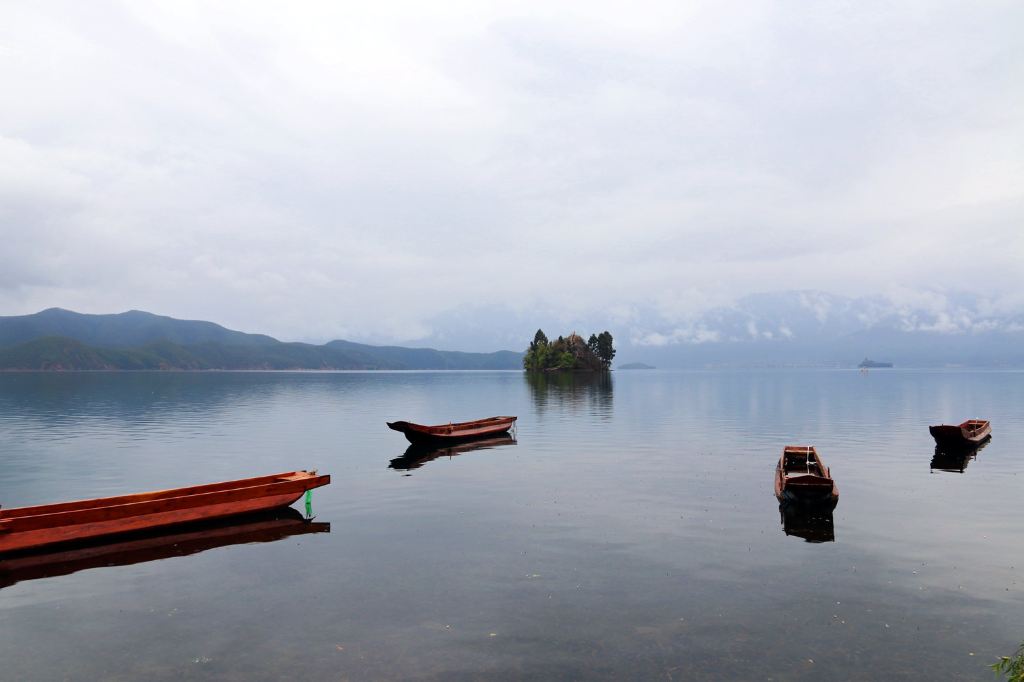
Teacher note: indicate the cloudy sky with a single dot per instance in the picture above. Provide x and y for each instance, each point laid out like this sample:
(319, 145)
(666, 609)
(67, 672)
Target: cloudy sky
(367, 170)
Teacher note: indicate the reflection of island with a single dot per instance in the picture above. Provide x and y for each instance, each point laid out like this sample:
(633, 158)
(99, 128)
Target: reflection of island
(571, 389)
(813, 522)
(954, 460)
(418, 455)
(135, 548)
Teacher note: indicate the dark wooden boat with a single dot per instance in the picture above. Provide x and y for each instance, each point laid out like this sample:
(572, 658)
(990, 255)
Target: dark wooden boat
(968, 435)
(49, 524)
(800, 476)
(417, 455)
(143, 546)
(453, 432)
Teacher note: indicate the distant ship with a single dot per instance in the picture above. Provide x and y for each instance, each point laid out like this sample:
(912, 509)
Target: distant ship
(871, 364)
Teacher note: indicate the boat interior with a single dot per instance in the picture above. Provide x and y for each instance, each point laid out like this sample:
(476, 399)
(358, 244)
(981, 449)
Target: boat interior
(972, 426)
(81, 505)
(802, 461)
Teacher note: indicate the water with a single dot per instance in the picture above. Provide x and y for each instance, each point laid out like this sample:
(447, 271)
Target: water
(630, 532)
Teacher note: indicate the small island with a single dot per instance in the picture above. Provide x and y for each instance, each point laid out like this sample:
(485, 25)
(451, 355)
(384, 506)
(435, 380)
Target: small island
(636, 365)
(871, 364)
(569, 353)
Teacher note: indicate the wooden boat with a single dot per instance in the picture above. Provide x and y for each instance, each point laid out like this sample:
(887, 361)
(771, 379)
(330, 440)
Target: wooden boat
(48, 524)
(800, 476)
(143, 546)
(453, 432)
(968, 435)
(417, 455)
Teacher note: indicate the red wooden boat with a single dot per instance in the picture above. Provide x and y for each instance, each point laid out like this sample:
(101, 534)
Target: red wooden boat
(800, 476)
(454, 432)
(48, 524)
(968, 435)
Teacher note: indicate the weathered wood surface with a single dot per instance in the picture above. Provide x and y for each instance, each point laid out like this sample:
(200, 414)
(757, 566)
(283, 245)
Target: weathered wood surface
(42, 525)
(968, 434)
(453, 432)
(800, 475)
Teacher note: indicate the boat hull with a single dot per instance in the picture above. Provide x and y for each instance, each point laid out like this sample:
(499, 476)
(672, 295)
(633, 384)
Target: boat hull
(822, 491)
(458, 432)
(31, 527)
(968, 435)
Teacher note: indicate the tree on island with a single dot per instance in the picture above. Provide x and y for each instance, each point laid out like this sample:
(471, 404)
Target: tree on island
(569, 353)
(605, 349)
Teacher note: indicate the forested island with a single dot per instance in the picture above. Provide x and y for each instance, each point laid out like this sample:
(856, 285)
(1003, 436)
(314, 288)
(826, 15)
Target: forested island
(569, 353)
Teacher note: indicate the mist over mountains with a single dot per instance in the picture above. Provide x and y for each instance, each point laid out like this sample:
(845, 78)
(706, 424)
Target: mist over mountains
(791, 328)
(783, 329)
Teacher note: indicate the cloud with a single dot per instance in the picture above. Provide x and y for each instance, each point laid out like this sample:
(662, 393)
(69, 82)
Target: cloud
(359, 170)
(686, 335)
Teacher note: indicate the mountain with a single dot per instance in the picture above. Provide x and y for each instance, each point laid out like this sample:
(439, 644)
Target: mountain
(123, 330)
(813, 328)
(57, 339)
(783, 328)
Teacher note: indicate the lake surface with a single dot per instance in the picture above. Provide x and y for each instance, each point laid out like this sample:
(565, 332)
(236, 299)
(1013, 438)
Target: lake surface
(630, 532)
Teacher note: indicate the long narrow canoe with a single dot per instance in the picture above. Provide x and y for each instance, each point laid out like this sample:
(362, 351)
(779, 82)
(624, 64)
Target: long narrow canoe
(968, 435)
(143, 546)
(49, 524)
(453, 432)
(801, 476)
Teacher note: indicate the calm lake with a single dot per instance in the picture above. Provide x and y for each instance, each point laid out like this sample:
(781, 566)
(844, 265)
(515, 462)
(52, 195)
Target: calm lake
(629, 532)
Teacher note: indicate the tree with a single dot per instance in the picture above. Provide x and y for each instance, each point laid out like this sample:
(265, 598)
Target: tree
(536, 357)
(605, 349)
(568, 353)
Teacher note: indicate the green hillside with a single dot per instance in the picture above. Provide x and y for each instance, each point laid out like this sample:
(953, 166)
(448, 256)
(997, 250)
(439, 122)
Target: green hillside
(61, 340)
(126, 330)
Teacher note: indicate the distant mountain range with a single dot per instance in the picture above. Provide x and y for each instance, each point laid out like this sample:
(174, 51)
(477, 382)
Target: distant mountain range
(780, 329)
(814, 328)
(805, 328)
(57, 339)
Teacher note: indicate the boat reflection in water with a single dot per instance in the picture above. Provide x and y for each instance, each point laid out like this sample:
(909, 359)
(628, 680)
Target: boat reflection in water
(418, 455)
(143, 546)
(812, 522)
(954, 460)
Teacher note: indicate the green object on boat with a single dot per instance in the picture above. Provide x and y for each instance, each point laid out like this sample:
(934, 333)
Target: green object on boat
(309, 504)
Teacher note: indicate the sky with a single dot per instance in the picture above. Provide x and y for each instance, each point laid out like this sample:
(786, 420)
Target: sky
(375, 170)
